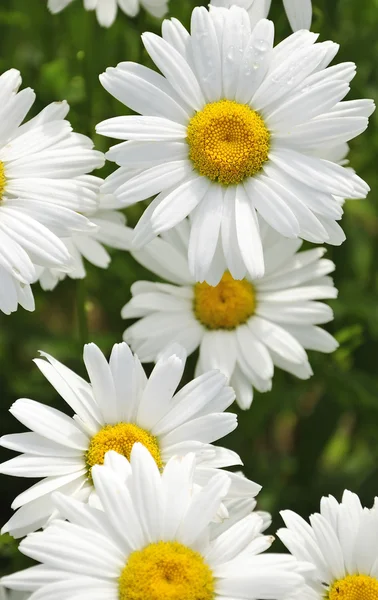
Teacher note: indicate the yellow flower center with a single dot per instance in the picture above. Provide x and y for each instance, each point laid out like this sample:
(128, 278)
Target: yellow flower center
(2, 179)
(354, 587)
(225, 306)
(228, 141)
(120, 438)
(166, 571)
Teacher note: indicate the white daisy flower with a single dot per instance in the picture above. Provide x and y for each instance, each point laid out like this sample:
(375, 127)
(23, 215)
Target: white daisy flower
(341, 544)
(106, 10)
(234, 127)
(299, 12)
(118, 408)
(154, 540)
(111, 231)
(43, 182)
(242, 327)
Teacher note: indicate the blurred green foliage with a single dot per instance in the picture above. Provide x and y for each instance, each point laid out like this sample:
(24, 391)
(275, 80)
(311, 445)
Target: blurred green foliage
(302, 440)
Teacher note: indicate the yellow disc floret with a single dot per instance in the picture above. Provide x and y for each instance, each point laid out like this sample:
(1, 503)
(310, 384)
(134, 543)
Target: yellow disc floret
(2, 179)
(120, 438)
(354, 587)
(166, 571)
(228, 141)
(225, 306)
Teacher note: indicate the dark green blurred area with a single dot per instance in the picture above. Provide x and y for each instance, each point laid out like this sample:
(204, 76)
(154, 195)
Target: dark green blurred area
(304, 439)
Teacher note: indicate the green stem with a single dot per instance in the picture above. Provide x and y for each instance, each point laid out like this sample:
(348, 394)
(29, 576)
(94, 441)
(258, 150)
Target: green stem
(141, 26)
(89, 68)
(81, 311)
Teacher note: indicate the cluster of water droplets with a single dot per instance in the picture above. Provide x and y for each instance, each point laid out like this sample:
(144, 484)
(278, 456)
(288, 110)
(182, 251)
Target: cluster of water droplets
(255, 55)
(248, 54)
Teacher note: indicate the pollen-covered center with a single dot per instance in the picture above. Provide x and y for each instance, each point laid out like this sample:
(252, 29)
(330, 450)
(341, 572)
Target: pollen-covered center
(166, 571)
(2, 179)
(225, 306)
(228, 141)
(120, 438)
(354, 587)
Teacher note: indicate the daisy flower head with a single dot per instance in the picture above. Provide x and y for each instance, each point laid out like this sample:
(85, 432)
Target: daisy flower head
(117, 409)
(242, 327)
(111, 231)
(341, 544)
(231, 128)
(154, 540)
(106, 10)
(299, 12)
(43, 188)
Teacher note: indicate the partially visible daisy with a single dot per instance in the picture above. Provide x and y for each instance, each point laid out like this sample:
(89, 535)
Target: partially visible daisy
(299, 12)
(242, 327)
(111, 231)
(106, 10)
(234, 127)
(154, 541)
(341, 544)
(43, 188)
(118, 408)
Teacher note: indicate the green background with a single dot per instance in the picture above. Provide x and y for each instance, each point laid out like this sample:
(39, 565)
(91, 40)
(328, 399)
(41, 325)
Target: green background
(302, 440)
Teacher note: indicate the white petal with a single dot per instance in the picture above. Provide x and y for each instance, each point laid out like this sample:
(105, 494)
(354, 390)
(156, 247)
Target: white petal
(179, 203)
(248, 234)
(271, 206)
(152, 181)
(243, 388)
(299, 13)
(218, 351)
(206, 429)
(106, 12)
(206, 54)
(118, 505)
(50, 423)
(203, 508)
(121, 364)
(254, 352)
(324, 175)
(102, 383)
(158, 393)
(36, 466)
(204, 234)
(190, 400)
(141, 129)
(231, 250)
(144, 91)
(235, 36)
(175, 69)
(278, 339)
(73, 548)
(255, 61)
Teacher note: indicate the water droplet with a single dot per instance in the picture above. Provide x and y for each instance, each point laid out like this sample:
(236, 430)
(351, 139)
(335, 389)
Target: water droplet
(230, 54)
(261, 45)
